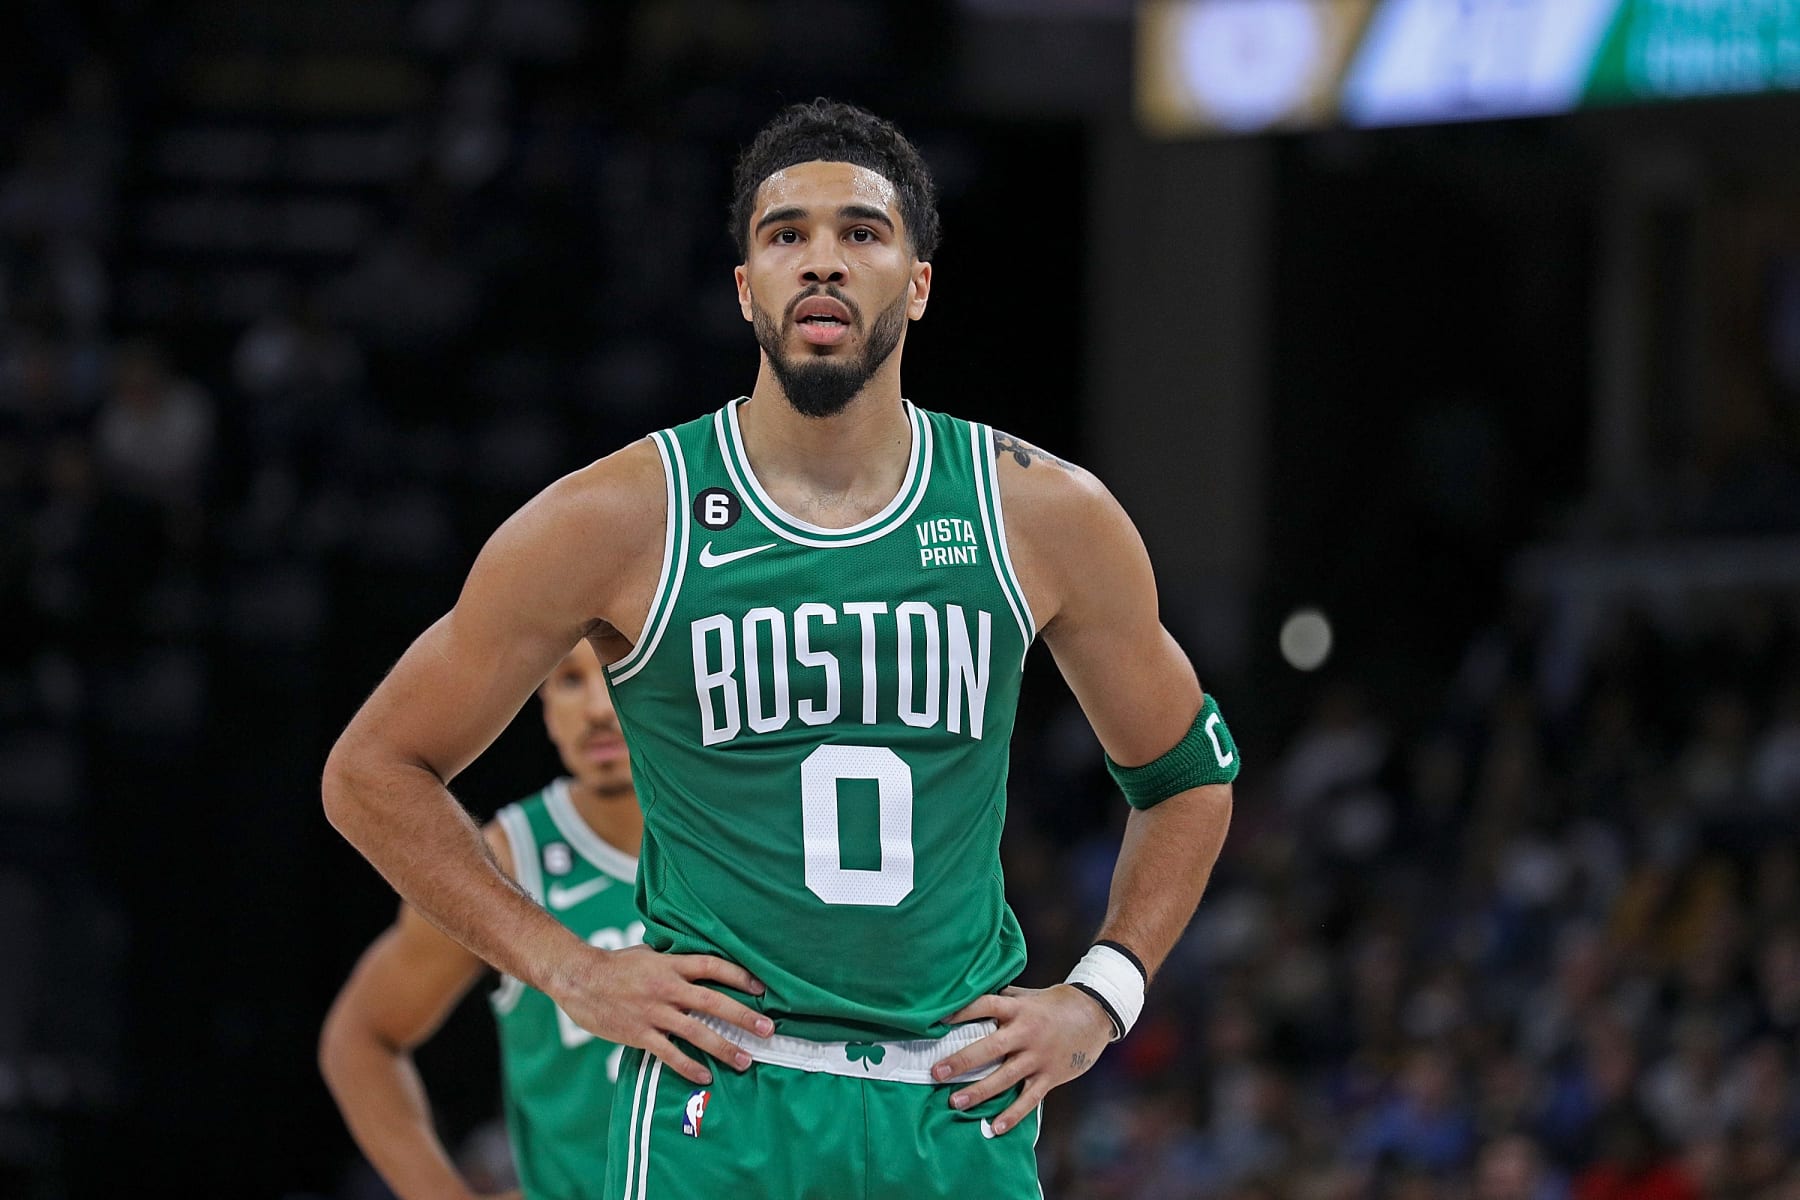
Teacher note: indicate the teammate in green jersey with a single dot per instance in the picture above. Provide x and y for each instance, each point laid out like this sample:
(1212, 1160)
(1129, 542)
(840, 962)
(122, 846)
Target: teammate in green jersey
(813, 605)
(572, 846)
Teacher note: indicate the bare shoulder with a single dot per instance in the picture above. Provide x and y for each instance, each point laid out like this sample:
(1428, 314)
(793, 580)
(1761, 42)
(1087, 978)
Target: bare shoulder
(621, 495)
(1033, 476)
(592, 540)
(1048, 499)
(1023, 454)
(1061, 523)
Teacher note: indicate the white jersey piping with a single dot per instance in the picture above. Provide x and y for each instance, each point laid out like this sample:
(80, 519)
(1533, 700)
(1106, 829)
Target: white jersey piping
(981, 442)
(668, 585)
(916, 483)
(600, 854)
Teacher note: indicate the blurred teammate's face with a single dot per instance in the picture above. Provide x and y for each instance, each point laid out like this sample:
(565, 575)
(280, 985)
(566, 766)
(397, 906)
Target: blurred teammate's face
(830, 281)
(579, 715)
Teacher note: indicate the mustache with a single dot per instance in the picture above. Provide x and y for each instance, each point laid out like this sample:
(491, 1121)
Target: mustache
(823, 289)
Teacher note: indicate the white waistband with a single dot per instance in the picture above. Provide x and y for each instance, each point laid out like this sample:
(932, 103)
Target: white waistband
(900, 1062)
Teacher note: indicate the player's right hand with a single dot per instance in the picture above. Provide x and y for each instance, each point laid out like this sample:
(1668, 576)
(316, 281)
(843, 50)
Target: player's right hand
(642, 997)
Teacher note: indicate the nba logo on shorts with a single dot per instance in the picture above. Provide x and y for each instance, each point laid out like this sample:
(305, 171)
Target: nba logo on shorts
(694, 1112)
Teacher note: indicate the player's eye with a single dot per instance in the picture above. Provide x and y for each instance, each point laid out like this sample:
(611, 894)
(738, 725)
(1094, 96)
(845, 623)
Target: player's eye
(786, 237)
(862, 233)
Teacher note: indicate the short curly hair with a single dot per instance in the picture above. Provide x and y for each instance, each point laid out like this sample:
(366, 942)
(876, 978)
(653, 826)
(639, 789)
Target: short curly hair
(825, 130)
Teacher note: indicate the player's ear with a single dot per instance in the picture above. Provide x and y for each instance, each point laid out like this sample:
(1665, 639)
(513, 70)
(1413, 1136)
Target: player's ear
(918, 289)
(742, 274)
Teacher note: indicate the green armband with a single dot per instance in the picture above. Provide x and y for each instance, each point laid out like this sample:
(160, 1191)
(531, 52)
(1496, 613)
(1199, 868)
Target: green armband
(1206, 755)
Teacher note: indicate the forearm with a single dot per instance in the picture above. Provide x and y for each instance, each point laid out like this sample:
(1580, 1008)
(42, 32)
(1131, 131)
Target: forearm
(1046, 1038)
(1164, 863)
(378, 1090)
(404, 820)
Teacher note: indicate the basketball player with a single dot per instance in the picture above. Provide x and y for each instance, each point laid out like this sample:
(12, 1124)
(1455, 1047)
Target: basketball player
(814, 605)
(573, 848)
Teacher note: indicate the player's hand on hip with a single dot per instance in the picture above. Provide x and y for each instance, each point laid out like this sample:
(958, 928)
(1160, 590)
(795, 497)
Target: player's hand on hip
(641, 997)
(1045, 1037)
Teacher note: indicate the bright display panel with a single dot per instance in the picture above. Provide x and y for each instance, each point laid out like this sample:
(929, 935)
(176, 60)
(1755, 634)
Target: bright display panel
(1243, 66)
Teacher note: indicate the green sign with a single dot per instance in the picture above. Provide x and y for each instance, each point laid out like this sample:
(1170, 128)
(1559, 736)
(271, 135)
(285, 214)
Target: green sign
(1663, 49)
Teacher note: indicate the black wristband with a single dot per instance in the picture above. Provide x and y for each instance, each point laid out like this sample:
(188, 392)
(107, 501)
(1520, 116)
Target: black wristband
(1131, 958)
(1118, 1025)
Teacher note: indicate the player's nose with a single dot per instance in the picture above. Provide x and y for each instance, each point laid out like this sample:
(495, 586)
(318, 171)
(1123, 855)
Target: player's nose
(824, 263)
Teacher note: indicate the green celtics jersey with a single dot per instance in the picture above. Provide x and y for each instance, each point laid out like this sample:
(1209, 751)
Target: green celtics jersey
(557, 1077)
(818, 722)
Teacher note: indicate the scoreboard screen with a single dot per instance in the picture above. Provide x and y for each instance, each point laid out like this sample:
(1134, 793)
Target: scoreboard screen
(1244, 66)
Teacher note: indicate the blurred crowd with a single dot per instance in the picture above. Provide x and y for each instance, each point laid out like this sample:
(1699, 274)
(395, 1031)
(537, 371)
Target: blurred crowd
(1546, 947)
(297, 303)
(269, 374)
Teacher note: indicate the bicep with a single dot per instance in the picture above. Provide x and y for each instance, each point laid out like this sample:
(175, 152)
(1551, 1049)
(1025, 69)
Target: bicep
(454, 691)
(526, 601)
(1127, 671)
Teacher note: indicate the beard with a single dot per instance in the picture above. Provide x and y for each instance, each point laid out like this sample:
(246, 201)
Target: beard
(819, 386)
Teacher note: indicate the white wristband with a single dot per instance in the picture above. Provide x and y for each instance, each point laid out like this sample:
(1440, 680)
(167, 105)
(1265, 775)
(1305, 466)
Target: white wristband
(1115, 981)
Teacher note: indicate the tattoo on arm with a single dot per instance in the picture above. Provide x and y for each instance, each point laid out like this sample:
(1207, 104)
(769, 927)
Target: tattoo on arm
(1079, 1059)
(1023, 452)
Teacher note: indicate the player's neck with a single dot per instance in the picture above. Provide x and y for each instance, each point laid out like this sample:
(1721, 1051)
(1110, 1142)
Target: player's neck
(616, 818)
(855, 457)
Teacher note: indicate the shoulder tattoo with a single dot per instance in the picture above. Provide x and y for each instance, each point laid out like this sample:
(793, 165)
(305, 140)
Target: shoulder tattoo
(1023, 452)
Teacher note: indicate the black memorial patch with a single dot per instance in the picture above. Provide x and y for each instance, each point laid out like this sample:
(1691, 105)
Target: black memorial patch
(717, 509)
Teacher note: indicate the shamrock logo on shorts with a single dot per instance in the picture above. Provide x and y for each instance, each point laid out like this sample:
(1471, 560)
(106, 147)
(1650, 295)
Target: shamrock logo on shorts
(865, 1053)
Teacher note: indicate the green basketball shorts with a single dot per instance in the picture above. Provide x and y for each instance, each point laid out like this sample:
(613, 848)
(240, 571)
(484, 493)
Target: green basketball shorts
(813, 1121)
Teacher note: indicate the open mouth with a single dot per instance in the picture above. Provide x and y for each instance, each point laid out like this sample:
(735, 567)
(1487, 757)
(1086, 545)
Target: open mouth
(822, 311)
(823, 331)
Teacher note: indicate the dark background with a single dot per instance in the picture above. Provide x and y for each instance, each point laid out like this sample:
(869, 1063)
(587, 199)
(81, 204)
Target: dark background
(298, 302)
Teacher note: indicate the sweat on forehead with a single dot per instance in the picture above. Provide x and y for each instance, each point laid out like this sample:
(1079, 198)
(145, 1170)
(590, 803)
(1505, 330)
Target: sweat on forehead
(826, 132)
(816, 187)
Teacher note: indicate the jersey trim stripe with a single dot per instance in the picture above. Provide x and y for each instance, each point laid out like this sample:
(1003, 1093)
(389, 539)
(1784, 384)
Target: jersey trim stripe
(675, 551)
(601, 855)
(993, 524)
(758, 502)
(523, 848)
(631, 1137)
(1037, 1131)
(643, 1179)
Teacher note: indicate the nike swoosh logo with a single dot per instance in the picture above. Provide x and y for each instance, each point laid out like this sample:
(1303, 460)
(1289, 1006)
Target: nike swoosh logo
(987, 1131)
(562, 897)
(709, 559)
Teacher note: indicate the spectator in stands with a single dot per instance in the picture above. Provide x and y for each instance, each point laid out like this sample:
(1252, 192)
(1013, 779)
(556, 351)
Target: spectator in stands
(1632, 1164)
(1426, 1123)
(1512, 1167)
(155, 435)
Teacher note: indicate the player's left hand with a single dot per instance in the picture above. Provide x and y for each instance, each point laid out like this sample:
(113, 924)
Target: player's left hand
(1046, 1037)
